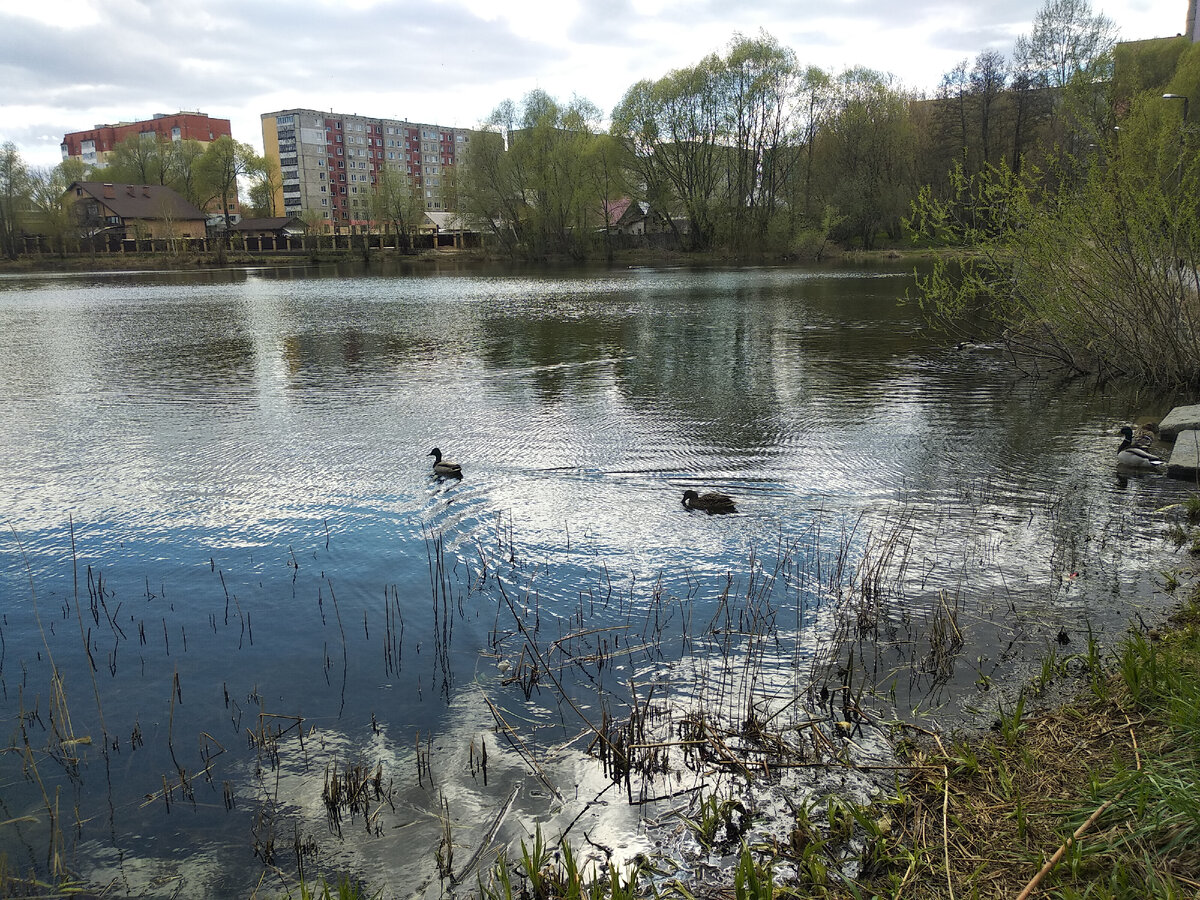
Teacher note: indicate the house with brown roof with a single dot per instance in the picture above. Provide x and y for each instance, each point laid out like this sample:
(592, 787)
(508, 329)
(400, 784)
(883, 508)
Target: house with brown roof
(134, 211)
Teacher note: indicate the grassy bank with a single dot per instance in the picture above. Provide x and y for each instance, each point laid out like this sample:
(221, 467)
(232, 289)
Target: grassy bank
(1098, 796)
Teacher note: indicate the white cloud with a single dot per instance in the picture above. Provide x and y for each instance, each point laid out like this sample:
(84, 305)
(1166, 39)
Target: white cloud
(70, 64)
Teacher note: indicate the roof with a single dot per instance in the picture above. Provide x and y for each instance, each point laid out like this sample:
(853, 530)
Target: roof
(445, 221)
(616, 209)
(138, 201)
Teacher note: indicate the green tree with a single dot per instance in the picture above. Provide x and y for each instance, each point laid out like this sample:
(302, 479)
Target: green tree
(52, 209)
(138, 159)
(490, 193)
(397, 203)
(761, 82)
(1095, 272)
(528, 178)
(672, 129)
(868, 155)
(14, 198)
(265, 185)
(224, 162)
(815, 103)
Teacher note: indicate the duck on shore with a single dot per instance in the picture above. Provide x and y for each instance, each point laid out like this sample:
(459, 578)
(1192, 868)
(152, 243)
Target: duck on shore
(443, 468)
(711, 502)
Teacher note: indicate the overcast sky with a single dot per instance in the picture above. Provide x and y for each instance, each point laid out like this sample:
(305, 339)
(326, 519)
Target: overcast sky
(67, 65)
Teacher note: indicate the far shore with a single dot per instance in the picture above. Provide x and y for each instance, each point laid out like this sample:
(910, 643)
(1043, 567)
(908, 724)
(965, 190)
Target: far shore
(113, 262)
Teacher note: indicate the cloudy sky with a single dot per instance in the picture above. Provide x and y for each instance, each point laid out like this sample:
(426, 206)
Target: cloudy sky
(67, 65)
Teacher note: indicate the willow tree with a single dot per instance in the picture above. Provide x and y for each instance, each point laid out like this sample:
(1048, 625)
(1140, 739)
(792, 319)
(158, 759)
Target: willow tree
(224, 162)
(762, 92)
(52, 210)
(530, 178)
(867, 155)
(14, 198)
(398, 203)
(674, 132)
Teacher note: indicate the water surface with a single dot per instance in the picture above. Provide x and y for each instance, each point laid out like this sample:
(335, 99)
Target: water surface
(220, 524)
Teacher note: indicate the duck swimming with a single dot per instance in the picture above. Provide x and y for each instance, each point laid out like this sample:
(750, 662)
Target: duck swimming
(1131, 455)
(443, 467)
(712, 502)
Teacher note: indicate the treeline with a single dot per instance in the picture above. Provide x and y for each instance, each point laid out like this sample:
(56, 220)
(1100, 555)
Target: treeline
(34, 200)
(751, 150)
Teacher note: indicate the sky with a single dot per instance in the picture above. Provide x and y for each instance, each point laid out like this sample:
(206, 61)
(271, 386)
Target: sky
(68, 65)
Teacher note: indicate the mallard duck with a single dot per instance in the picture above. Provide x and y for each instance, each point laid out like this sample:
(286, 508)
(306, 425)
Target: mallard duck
(1129, 454)
(712, 502)
(1145, 435)
(443, 467)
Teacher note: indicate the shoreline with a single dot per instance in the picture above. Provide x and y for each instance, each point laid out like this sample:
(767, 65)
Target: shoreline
(110, 262)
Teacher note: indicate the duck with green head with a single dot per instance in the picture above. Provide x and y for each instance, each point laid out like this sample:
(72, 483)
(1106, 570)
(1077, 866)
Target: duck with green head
(443, 468)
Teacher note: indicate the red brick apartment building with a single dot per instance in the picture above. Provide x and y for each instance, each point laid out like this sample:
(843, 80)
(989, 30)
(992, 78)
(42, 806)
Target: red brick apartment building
(94, 145)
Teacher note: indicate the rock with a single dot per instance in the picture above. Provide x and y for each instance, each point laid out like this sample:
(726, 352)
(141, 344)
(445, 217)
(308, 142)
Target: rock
(1179, 419)
(1185, 457)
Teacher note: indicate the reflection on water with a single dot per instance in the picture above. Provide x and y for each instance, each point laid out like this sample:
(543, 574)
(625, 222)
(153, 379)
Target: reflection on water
(221, 530)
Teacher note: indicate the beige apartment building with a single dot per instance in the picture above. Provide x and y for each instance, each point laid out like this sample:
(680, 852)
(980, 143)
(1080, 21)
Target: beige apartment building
(330, 163)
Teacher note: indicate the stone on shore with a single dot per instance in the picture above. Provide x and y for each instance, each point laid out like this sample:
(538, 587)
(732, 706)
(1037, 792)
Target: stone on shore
(1181, 418)
(1185, 457)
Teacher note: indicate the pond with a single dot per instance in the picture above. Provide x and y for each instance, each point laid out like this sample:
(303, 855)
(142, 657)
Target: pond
(244, 630)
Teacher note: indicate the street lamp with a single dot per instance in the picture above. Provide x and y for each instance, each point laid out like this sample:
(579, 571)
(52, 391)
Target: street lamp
(1178, 97)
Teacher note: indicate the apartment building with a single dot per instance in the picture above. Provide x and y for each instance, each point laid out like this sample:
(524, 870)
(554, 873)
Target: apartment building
(330, 163)
(95, 145)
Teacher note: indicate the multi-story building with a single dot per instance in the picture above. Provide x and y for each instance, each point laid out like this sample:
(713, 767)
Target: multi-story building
(94, 146)
(330, 163)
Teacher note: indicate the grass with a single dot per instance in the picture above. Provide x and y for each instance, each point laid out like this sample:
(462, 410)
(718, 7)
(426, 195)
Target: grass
(1108, 782)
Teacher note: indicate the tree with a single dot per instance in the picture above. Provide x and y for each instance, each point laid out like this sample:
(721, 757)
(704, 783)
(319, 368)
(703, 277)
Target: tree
(527, 179)
(218, 170)
(672, 131)
(1073, 50)
(868, 155)
(490, 192)
(816, 97)
(1070, 43)
(397, 202)
(265, 187)
(14, 198)
(760, 84)
(52, 209)
(1095, 272)
(1029, 96)
(139, 159)
(989, 77)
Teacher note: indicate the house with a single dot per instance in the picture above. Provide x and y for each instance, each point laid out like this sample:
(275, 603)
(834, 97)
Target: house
(272, 227)
(625, 216)
(134, 211)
